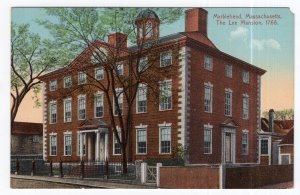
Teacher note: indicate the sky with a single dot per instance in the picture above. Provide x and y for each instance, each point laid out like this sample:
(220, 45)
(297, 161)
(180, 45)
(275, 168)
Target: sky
(269, 46)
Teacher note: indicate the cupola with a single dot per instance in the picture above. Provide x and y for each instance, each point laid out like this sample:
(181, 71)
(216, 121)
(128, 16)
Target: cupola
(147, 23)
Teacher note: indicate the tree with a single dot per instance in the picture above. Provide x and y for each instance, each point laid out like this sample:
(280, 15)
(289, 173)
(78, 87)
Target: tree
(30, 57)
(85, 28)
(285, 114)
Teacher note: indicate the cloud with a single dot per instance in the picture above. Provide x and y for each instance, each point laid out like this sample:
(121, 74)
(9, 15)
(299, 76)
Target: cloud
(263, 43)
(239, 32)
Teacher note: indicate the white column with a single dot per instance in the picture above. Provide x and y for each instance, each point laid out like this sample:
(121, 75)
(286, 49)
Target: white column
(97, 145)
(81, 145)
(143, 173)
(106, 146)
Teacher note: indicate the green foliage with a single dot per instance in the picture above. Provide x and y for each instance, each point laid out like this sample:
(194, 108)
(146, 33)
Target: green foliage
(285, 114)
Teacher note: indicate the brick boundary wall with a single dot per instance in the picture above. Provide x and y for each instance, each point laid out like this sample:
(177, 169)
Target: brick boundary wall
(189, 177)
(253, 177)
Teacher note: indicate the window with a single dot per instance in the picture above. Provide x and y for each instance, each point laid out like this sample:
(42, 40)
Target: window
(99, 73)
(245, 143)
(228, 70)
(141, 140)
(81, 78)
(68, 144)
(207, 139)
(79, 143)
(228, 102)
(245, 106)
(68, 110)
(99, 56)
(245, 76)
(142, 98)
(165, 140)
(264, 146)
(208, 98)
(143, 65)
(119, 69)
(165, 95)
(208, 63)
(53, 145)
(67, 81)
(53, 85)
(117, 148)
(35, 139)
(99, 105)
(119, 94)
(81, 107)
(53, 112)
(166, 58)
(149, 31)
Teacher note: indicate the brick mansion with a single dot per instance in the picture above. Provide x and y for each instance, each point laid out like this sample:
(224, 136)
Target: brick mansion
(209, 105)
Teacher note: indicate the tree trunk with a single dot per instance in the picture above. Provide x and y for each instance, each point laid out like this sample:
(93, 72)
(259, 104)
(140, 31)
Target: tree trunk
(124, 159)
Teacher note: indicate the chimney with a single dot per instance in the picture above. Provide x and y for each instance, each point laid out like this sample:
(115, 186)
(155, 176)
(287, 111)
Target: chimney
(118, 40)
(271, 120)
(196, 20)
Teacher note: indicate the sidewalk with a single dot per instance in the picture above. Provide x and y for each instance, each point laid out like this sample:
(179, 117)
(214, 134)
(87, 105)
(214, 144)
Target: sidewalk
(77, 183)
(285, 185)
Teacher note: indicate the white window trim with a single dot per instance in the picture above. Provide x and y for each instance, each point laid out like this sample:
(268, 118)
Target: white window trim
(160, 65)
(69, 76)
(117, 91)
(50, 114)
(166, 81)
(50, 83)
(136, 140)
(50, 145)
(212, 63)
(209, 85)
(231, 70)
(81, 72)
(80, 96)
(137, 99)
(245, 95)
(269, 140)
(246, 132)
(208, 126)
(69, 133)
(99, 68)
(165, 125)
(114, 138)
(248, 77)
(284, 154)
(65, 100)
(144, 58)
(98, 93)
(228, 90)
(122, 65)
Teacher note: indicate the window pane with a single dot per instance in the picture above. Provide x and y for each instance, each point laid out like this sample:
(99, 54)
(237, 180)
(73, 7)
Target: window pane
(165, 140)
(207, 140)
(165, 97)
(141, 141)
(165, 59)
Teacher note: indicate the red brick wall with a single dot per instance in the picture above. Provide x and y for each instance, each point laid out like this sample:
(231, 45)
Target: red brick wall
(264, 160)
(152, 118)
(253, 177)
(189, 177)
(23, 144)
(198, 117)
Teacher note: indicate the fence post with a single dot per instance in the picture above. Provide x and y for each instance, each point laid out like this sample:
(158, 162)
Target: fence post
(32, 168)
(17, 167)
(138, 170)
(50, 168)
(61, 174)
(158, 165)
(143, 172)
(222, 176)
(106, 169)
(81, 169)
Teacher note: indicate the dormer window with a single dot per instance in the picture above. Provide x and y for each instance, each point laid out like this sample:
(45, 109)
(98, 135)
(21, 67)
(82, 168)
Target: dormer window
(166, 58)
(99, 56)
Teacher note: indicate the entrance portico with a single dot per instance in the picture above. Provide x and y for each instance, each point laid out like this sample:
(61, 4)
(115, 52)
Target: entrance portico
(93, 140)
(228, 129)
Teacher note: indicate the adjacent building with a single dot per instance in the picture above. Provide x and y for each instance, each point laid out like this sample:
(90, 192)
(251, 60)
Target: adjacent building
(210, 107)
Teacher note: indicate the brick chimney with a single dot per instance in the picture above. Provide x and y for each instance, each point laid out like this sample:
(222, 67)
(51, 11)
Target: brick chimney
(196, 20)
(119, 40)
(271, 120)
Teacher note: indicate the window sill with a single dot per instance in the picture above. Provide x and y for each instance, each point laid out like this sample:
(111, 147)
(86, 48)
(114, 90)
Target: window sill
(141, 154)
(264, 154)
(141, 112)
(207, 153)
(165, 110)
(208, 112)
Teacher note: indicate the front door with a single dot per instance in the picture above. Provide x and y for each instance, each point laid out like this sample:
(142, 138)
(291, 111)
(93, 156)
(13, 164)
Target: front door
(228, 155)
